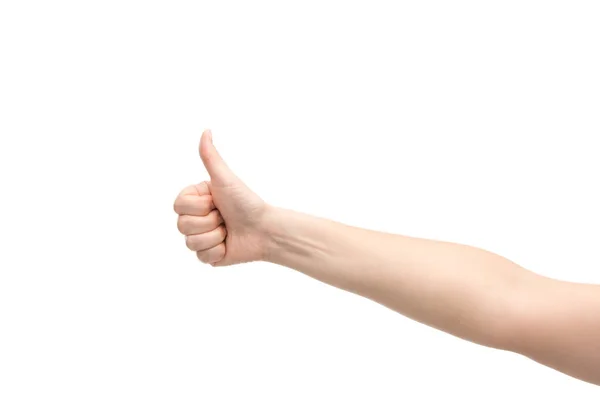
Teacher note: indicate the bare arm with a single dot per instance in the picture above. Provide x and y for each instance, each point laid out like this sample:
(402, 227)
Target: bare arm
(467, 292)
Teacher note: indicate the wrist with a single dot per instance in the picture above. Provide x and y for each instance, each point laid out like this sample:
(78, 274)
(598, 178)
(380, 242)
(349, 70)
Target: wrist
(270, 229)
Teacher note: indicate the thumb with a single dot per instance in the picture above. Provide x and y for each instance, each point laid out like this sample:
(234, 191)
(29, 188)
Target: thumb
(219, 172)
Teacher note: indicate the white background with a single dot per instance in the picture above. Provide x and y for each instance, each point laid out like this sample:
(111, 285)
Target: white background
(467, 121)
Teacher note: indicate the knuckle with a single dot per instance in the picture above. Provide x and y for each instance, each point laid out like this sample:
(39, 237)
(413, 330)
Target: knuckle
(207, 204)
(202, 188)
(202, 256)
(183, 224)
(190, 189)
(201, 206)
(193, 205)
(192, 242)
(181, 204)
(177, 204)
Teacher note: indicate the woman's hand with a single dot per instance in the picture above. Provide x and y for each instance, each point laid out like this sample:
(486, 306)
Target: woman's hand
(222, 219)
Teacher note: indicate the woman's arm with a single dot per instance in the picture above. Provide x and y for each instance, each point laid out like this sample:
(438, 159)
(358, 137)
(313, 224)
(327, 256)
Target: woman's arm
(465, 291)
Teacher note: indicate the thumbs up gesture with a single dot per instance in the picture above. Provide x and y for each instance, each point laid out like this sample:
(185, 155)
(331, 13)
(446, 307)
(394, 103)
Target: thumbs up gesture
(221, 219)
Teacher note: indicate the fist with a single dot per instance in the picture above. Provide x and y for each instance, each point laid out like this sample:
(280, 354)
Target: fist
(201, 223)
(222, 219)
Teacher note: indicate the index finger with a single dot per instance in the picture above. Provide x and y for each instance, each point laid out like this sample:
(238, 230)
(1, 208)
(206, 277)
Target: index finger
(200, 189)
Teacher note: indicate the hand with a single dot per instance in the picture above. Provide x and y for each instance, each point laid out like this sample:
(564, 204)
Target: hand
(222, 219)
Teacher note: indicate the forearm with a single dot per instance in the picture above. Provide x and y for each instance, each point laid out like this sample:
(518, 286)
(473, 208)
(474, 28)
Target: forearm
(458, 289)
(465, 291)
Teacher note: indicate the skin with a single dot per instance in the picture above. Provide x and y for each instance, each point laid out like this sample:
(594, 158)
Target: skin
(468, 292)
